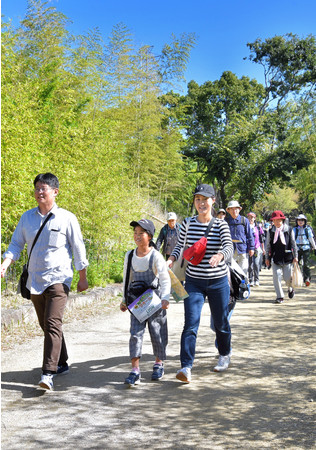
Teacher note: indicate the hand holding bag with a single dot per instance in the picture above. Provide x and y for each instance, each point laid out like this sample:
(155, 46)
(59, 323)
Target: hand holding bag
(22, 289)
(297, 277)
(180, 265)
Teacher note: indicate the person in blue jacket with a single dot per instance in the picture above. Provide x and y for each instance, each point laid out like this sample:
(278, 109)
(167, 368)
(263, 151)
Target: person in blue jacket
(241, 233)
(305, 244)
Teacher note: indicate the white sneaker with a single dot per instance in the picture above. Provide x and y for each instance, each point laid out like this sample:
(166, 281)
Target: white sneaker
(184, 375)
(257, 283)
(46, 382)
(223, 363)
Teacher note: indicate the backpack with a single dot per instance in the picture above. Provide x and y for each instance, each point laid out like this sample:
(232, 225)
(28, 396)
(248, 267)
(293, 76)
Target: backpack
(306, 232)
(236, 277)
(135, 289)
(242, 222)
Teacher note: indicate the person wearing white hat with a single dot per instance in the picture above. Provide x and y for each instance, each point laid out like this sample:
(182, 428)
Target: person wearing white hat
(241, 234)
(221, 214)
(168, 235)
(305, 243)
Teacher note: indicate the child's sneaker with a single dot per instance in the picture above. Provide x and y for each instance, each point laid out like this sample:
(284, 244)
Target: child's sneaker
(133, 379)
(184, 375)
(158, 372)
(46, 382)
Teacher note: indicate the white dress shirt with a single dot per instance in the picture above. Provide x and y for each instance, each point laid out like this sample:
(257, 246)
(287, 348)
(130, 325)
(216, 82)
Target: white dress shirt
(51, 258)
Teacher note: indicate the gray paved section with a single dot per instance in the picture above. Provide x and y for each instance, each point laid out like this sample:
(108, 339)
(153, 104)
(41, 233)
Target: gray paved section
(266, 399)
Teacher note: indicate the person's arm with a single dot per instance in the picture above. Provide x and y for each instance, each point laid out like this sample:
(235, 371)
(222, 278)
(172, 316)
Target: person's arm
(180, 243)
(250, 239)
(4, 266)
(227, 250)
(75, 239)
(82, 284)
(164, 279)
(311, 239)
(268, 249)
(123, 306)
(293, 246)
(160, 238)
(15, 248)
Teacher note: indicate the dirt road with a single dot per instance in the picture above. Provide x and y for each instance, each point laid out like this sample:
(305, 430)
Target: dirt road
(266, 399)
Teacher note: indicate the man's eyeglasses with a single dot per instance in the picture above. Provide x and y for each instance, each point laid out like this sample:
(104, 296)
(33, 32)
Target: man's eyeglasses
(45, 189)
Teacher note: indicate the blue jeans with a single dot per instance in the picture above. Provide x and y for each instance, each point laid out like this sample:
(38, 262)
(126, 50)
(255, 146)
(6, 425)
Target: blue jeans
(217, 291)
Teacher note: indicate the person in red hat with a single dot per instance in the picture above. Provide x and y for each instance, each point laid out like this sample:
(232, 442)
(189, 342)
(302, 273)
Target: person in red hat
(281, 252)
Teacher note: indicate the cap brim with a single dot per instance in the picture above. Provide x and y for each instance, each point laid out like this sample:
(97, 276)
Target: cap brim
(204, 194)
(134, 224)
(240, 207)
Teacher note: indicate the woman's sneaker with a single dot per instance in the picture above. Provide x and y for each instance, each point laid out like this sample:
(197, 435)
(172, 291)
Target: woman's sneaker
(133, 379)
(46, 382)
(223, 363)
(184, 375)
(158, 372)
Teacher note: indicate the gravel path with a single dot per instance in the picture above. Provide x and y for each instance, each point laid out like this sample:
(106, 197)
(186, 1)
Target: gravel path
(266, 399)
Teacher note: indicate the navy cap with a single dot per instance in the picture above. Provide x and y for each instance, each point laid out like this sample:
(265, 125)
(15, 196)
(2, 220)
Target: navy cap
(204, 189)
(146, 224)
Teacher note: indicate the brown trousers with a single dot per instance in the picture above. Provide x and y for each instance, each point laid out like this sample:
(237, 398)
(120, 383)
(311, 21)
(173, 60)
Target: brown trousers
(50, 306)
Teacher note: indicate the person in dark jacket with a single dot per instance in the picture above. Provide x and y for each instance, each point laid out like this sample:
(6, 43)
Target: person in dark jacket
(241, 233)
(281, 252)
(168, 235)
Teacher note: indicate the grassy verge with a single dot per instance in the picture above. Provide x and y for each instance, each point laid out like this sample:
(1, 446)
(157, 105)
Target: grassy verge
(18, 334)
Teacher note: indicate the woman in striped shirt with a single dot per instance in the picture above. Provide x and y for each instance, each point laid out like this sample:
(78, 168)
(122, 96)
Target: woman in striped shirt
(208, 278)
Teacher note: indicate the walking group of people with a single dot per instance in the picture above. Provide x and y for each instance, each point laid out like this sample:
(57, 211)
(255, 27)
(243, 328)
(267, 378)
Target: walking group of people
(60, 240)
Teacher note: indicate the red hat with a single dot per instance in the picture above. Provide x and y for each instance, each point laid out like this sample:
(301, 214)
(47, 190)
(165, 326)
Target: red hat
(251, 214)
(277, 215)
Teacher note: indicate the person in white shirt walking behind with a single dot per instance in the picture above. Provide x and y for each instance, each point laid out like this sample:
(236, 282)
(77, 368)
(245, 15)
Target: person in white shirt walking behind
(50, 268)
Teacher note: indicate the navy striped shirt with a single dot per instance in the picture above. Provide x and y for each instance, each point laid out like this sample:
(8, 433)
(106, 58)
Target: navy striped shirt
(218, 240)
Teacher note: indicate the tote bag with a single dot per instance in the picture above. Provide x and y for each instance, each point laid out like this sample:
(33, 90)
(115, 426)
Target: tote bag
(297, 277)
(180, 265)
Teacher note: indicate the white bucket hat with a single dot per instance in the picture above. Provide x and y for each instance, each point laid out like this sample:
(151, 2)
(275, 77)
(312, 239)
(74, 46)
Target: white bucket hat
(233, 204)
(301, 217)
(171, 216)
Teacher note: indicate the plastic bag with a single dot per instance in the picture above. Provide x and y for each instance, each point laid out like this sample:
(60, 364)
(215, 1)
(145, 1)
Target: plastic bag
(297, 277)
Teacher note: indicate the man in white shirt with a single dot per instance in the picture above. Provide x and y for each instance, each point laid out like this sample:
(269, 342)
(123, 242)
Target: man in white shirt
(50, 268)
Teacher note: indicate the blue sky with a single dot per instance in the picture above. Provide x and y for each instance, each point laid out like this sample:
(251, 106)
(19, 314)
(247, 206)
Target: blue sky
(223, 28)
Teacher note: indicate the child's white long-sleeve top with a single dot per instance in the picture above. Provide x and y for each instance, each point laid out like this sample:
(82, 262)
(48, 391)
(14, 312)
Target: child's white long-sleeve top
(141, 264)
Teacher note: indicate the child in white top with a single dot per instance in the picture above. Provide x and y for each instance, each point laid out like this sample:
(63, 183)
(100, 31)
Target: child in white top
(147, 265)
